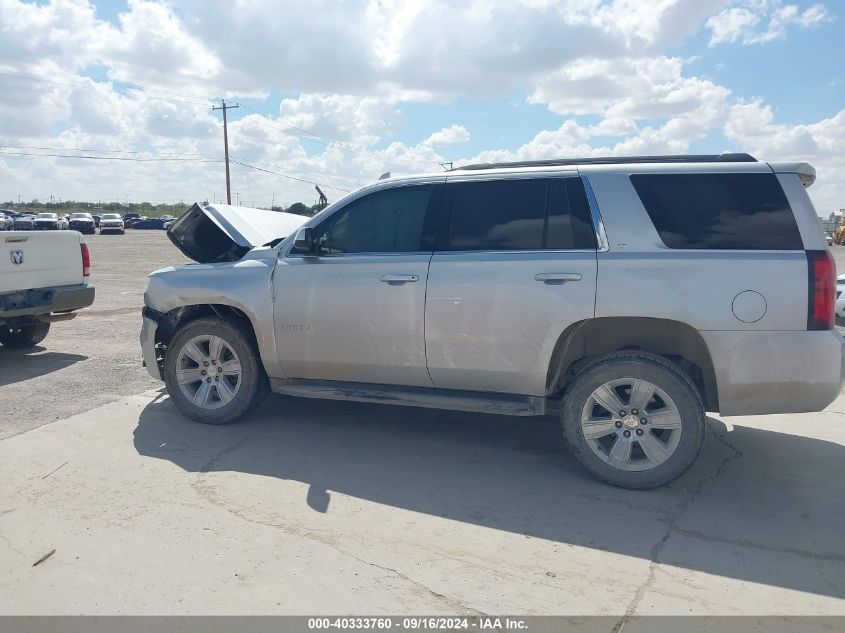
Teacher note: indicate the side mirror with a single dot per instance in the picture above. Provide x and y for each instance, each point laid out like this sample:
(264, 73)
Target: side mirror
(303, 242)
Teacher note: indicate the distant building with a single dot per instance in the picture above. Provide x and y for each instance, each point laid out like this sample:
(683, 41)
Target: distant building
(833, 222)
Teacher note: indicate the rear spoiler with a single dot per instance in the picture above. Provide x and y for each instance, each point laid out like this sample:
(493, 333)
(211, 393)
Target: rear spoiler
(806, 172)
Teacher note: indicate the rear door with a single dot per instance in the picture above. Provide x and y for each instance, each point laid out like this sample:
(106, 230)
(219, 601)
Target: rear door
(514, 266)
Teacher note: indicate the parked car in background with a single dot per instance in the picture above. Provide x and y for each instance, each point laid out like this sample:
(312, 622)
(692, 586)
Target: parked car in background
(82, 222)
(523, 289)
(24, 222)
(130, 223)
(48, 222)
(7, 220)
(96, 220)
(151, 223)
(111, 223)
(840, 298)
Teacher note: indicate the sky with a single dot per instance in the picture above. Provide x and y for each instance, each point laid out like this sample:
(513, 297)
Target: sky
(336, 93)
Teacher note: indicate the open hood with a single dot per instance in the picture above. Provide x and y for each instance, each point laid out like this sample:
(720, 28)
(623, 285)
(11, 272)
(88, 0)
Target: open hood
(223, 233)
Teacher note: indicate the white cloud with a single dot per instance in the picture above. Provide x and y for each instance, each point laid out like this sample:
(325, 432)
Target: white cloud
(448, 135)
(347, 72)
(628, 88)
(740, 23)
(752, 126)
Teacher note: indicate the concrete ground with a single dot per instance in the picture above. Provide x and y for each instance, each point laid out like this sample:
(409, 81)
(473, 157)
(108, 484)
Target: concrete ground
(324, 507)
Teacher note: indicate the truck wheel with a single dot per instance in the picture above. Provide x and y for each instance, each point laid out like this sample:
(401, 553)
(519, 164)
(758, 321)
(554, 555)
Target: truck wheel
(24, 336)
(212, 371)
(634, 420)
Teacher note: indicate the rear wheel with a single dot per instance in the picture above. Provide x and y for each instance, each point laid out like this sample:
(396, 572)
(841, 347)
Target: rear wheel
(634, 420)
(212, 371)
(23, 336)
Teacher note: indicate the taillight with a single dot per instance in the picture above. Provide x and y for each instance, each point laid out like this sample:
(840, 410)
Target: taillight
(821, 290)
(86, 260)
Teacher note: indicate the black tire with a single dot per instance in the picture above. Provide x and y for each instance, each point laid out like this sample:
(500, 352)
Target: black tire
(253, 378)
(24, 336)
(666, 376)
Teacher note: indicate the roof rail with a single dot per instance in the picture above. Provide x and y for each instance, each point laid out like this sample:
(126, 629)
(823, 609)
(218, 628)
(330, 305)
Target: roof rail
(678, 158)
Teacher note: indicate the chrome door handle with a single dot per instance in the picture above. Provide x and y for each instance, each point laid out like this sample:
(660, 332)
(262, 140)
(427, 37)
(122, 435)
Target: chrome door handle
(550, 278)
(399, 279)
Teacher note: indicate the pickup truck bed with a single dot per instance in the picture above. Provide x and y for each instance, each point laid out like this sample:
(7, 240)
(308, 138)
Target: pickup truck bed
(43, 278)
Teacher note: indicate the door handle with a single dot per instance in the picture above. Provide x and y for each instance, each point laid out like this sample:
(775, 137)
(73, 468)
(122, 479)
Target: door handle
(399, 279)
(559, 278)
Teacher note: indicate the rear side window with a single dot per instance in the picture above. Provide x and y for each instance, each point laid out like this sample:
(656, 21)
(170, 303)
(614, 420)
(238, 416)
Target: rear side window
(531, 214)
(719, 211)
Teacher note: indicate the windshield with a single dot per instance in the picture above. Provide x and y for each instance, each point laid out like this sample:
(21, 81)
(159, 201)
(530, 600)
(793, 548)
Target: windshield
(46, 216)
(82, 216)
(110, 216)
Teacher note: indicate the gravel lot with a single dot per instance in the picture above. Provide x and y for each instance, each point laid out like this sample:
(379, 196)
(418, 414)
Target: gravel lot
(95, 358)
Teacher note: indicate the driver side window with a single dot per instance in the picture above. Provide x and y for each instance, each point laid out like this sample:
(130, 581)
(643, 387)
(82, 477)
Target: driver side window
(388, 221)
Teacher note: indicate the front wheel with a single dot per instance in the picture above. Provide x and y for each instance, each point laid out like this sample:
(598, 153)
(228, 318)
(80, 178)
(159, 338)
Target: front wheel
(24, 336)
(212, 371)
(634, 420)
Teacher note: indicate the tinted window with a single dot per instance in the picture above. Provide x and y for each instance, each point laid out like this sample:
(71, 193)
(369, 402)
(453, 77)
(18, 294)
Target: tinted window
(719, 211)
(570, 223)
(389, 221)
(530, 214)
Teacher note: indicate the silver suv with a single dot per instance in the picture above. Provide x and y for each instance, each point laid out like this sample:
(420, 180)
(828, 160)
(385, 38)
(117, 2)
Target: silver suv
(629, 296)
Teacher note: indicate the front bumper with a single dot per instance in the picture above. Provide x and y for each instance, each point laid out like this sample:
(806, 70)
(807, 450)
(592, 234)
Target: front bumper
(45, 301)
(148, 347)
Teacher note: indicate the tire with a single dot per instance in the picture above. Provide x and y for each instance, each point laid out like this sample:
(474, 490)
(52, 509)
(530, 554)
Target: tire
(25, 336)
(213, 401)
(654, 452)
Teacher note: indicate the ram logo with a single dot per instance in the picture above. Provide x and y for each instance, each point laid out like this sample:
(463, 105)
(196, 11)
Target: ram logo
(16, 256)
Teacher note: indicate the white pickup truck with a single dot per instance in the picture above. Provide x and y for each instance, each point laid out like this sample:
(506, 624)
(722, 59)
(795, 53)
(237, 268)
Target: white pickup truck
(43, 278)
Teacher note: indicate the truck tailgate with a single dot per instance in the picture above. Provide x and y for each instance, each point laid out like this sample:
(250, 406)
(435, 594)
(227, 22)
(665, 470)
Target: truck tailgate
(39, 259)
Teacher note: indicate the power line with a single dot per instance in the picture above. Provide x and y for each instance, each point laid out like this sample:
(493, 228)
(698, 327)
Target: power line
(276, 173)
(100, 151)
(323, 140)
(313, 136)
(120, 158)
(299, 171)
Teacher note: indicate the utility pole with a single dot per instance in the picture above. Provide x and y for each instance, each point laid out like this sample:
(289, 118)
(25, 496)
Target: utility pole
(224, 107)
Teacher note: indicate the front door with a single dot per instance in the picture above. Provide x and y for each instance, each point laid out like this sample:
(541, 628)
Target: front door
(354, 310)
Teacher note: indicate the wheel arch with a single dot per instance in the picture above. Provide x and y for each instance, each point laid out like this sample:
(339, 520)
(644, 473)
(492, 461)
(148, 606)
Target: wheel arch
(675, 340)
(171, 321)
